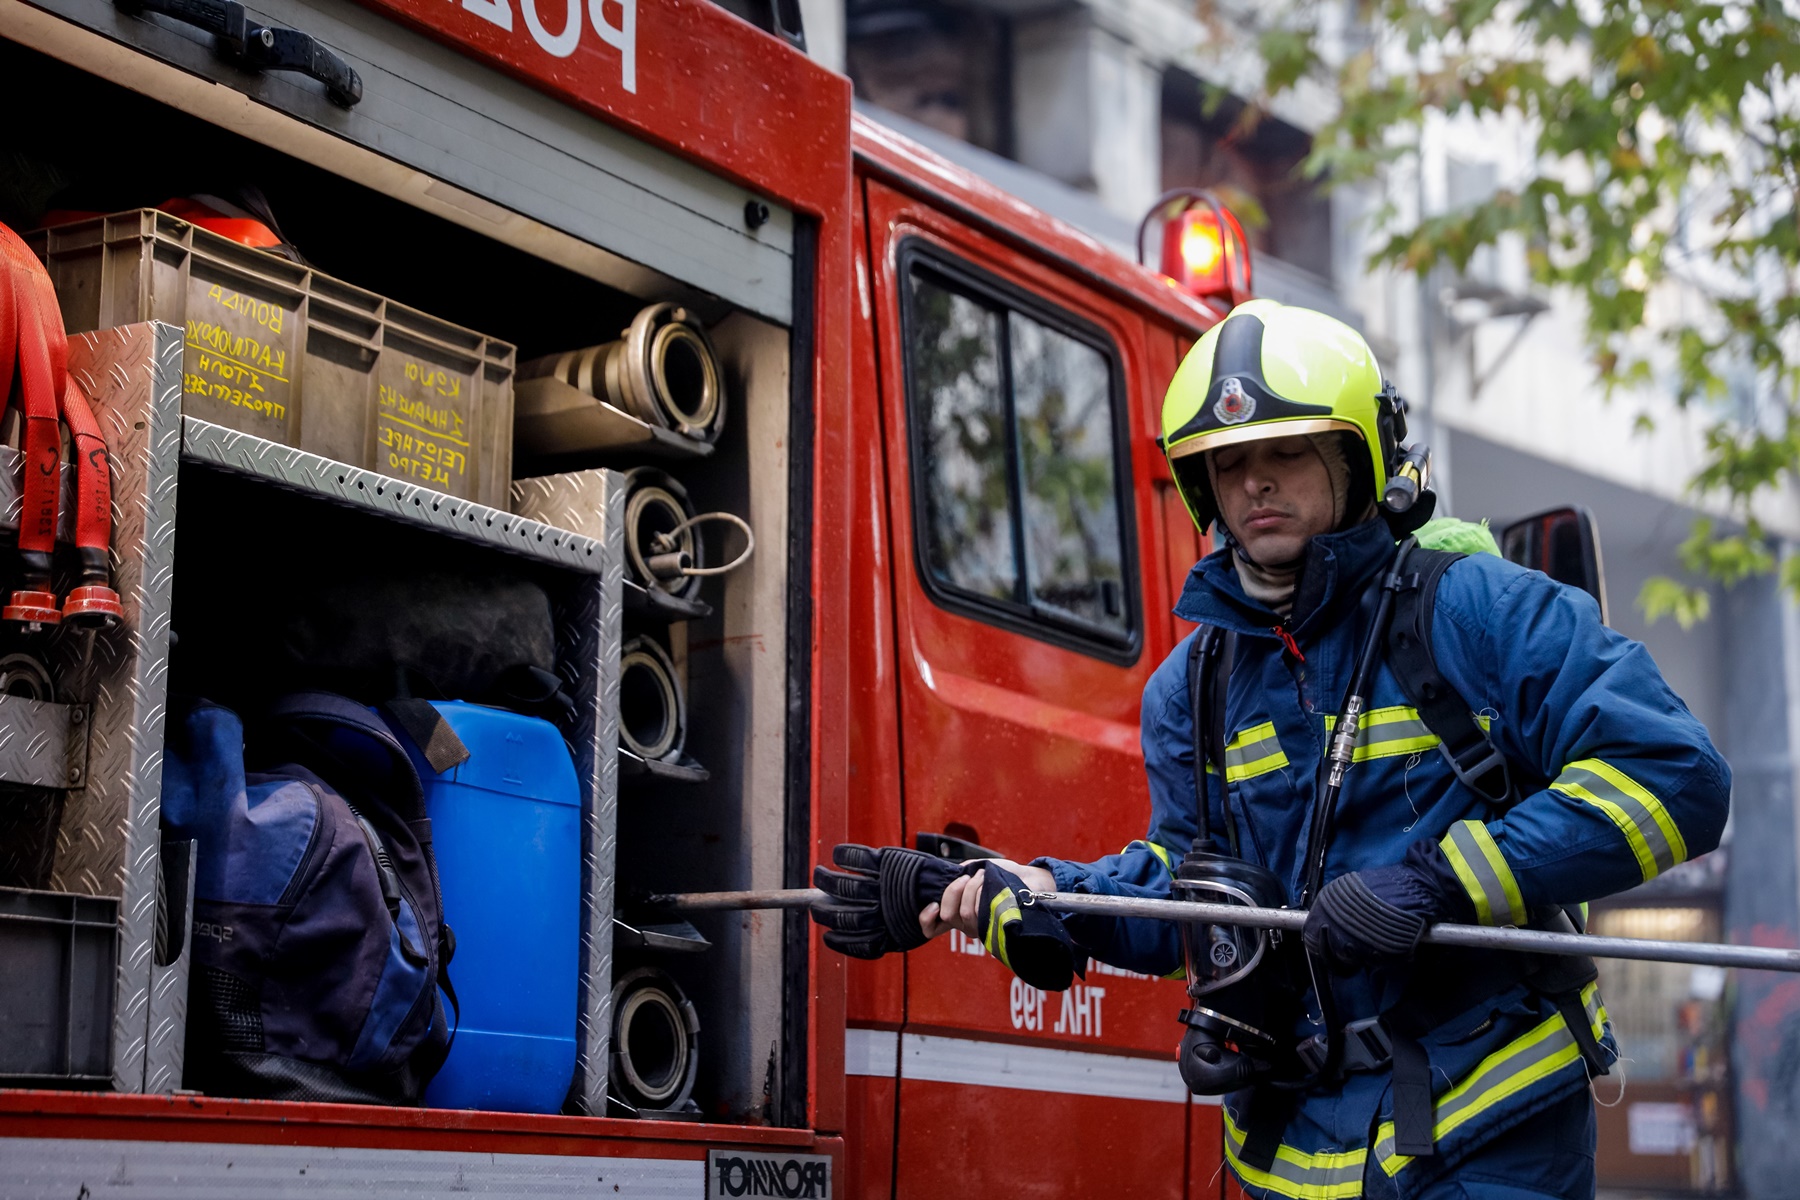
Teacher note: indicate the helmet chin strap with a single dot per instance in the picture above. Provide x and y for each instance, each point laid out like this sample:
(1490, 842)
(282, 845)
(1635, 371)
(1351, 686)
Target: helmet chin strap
(1242, 555)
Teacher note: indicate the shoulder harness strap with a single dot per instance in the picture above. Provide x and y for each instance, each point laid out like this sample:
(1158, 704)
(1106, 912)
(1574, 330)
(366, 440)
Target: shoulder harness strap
(1471, 754)
(1209, 671)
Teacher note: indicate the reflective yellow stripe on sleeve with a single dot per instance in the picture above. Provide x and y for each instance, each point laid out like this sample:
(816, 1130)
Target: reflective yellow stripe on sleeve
(1327, 1175)
(1253, 752)
(1529, 1058)
(1003, 911)
(1649, 830)
(1484, 873)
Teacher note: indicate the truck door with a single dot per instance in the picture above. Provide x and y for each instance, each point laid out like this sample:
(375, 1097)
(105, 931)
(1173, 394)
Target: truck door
(1021, 514)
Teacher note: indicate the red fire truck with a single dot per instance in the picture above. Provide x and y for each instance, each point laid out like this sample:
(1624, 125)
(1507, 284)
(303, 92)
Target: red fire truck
(943, 430)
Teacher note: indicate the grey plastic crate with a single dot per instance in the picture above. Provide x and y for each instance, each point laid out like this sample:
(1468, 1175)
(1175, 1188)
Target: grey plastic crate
(290, 354)
(56, 992)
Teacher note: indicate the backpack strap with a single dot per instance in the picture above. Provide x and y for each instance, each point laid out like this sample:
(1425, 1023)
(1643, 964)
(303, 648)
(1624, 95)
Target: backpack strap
(298, 716)
(1209, 672)
(1465, 744)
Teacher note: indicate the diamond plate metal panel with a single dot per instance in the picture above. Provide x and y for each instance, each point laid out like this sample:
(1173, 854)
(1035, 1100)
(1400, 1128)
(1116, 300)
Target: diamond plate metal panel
(41, 744)
(298, 471)
(108, 842)
(167, 1042)
(588, 632)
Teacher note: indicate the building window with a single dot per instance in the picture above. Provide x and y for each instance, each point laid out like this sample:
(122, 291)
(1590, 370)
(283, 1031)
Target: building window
(1213, 147)
(945, 67)
(1017, 477)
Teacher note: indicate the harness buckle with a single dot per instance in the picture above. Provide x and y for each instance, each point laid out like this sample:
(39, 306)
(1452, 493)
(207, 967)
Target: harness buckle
(1367, 1046)
(1479, 765)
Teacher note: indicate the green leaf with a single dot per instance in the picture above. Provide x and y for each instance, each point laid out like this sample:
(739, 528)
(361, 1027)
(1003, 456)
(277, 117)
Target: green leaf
(1669, 150)
(1664, 597)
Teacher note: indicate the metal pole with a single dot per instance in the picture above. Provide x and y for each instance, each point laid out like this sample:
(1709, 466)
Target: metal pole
(693, 902)
(1478, 937)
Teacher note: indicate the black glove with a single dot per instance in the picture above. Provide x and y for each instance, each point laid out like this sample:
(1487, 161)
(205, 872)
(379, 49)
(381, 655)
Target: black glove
(872, 906)
(1029, 940)
(1374, 917)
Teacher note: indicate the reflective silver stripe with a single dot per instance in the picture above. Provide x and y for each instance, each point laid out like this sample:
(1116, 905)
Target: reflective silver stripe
(1005, 1065)
(1499, 899)
(1393, 731)
(1530, 1058)
(1323, 1175)
(872, 1052)
(1640, 816)
(1252, 752)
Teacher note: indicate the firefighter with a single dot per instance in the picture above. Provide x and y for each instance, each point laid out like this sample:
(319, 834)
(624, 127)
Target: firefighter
(1469, 1075)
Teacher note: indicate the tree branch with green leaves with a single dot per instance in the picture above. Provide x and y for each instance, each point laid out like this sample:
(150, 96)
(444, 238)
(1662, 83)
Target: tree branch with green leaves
(1666, 138)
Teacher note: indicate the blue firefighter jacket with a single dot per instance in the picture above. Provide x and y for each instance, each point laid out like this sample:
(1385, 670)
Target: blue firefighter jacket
(1617, 783)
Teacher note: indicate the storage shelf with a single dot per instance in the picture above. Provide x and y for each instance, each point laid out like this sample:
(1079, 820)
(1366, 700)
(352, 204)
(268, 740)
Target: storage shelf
(299, 471)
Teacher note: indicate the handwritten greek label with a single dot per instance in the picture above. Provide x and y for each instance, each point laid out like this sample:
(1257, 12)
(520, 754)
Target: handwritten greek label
(269, 316)
(250, 401)
(236, 366)
(435, 378)
(421, 437)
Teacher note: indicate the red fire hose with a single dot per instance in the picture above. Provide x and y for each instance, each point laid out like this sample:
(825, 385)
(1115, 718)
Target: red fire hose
(32, 339)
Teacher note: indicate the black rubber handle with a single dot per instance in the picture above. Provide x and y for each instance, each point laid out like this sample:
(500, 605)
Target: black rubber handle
(260, 47)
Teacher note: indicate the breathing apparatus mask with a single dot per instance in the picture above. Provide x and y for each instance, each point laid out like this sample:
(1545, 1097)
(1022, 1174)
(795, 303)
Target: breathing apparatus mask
(1244, 1002)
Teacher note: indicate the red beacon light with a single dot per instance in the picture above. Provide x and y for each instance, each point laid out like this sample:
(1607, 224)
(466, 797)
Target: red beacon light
(1204, 251)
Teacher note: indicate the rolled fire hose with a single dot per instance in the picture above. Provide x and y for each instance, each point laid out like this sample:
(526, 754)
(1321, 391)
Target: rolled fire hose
(25, 675)
(31, 335)
(1475, 937)
(662, 544)
(655, 1041)
(663, 370)
(652, 706)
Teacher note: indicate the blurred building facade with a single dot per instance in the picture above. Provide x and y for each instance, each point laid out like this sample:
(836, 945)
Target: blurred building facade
(1090, 109)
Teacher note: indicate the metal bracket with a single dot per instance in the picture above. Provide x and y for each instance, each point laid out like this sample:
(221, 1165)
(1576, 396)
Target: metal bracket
(43, 744)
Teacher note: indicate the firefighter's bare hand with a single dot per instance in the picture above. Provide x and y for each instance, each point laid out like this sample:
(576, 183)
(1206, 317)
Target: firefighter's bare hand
(960, 909)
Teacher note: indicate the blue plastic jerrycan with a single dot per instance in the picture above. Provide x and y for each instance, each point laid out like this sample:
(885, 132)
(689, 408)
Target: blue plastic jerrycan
(506, 827)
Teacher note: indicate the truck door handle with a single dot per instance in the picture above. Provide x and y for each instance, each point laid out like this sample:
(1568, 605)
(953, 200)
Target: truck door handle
(260, 47)
(956, 849)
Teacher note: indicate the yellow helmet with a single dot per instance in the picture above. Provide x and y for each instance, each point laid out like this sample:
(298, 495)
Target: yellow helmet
(1269, 371)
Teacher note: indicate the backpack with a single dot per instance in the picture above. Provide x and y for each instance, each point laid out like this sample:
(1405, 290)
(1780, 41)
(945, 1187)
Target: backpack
(319, 945)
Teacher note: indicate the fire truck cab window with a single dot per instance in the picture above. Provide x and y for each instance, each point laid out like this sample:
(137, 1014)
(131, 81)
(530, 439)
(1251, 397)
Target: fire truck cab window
(957, 365)
(1016, 478)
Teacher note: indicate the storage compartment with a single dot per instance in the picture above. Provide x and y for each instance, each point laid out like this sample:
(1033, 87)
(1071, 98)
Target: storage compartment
(290, 354)
(734, 813)
(56, 992)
